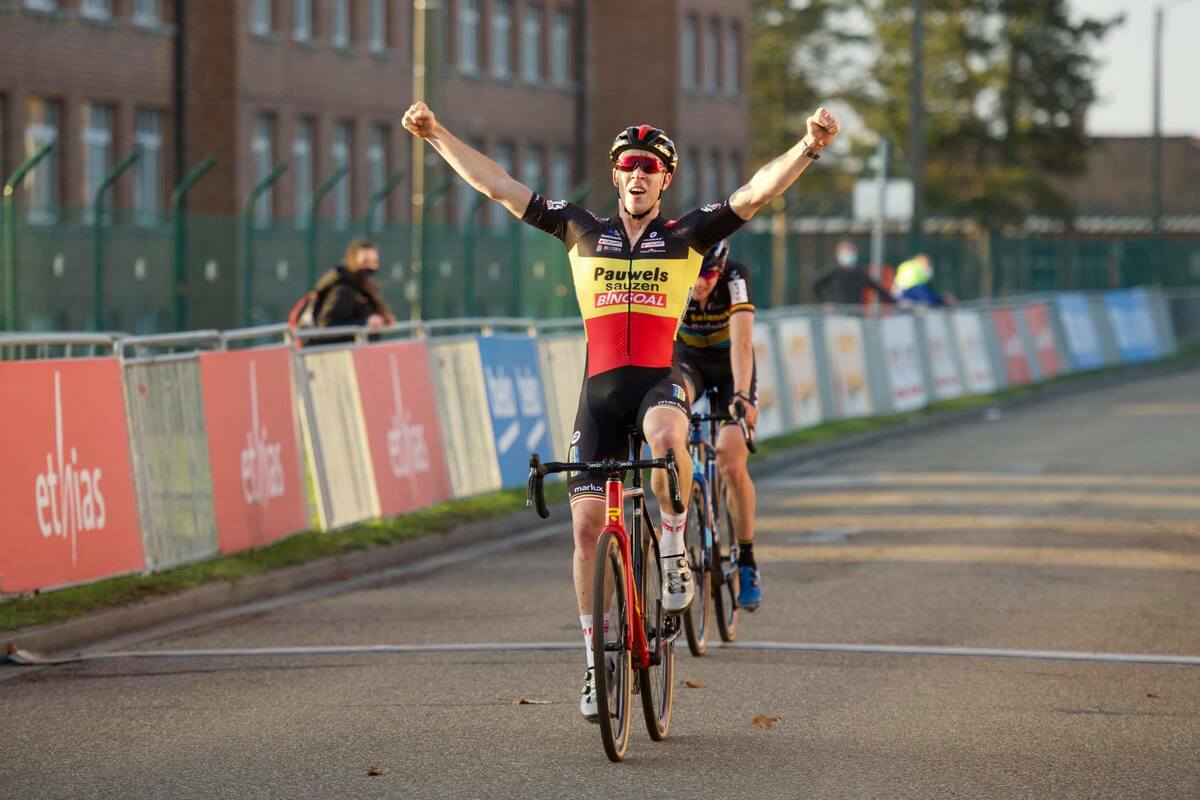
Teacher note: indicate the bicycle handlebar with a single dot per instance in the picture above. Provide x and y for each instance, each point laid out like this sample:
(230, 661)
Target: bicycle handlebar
(538, 470)
(740, 420)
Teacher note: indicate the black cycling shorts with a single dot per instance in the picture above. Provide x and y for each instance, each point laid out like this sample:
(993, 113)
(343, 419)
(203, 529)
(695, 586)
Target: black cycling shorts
(712, 368)
(611, 405)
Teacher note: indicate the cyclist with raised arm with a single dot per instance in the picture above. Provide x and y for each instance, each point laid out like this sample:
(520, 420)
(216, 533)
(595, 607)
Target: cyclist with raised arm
(715, 350)
(633, 273)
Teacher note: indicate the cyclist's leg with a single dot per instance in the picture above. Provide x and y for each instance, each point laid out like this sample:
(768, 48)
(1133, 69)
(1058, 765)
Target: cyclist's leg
(732, 455)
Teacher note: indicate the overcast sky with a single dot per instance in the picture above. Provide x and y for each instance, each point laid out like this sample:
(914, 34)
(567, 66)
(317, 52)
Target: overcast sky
(1124, 80)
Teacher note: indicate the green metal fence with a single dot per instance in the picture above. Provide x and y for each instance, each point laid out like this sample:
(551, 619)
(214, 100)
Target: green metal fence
(506, 269)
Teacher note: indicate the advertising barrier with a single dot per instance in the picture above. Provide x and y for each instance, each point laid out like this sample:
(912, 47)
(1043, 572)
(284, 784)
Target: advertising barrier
(336, 437)
(939, 350)
(800, 372)
(770, 401)
(65, 479)
(1012, 347)
(562, 359)
(1045, 346)
(403, 432)
(848, 365)
(977, 365)
(1132, 325)
(257, 482)
(516, 403)
(903, 362)
(465, 419)
(1083, 342)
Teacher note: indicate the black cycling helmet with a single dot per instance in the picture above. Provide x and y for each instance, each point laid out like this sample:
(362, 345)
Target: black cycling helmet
(645, 137)
(715, 258)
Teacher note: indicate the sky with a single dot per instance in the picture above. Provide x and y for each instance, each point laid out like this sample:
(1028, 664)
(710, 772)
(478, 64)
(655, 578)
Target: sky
(1124, 79)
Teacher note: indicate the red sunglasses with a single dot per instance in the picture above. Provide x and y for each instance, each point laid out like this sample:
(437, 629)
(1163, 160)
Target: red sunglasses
(649, 165)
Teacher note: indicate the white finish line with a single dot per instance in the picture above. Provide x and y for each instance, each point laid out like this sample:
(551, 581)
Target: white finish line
(27, 658)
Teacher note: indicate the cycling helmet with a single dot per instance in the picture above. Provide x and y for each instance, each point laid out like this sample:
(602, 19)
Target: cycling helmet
(645, 137)
(715, 258)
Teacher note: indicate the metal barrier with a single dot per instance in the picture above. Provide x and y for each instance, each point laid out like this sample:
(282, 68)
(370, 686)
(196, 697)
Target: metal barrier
(562, 359)
(21, 346)
(467, 434)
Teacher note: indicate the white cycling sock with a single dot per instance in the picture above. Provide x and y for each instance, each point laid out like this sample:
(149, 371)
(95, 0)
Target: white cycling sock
(672, 534)
(585, 622)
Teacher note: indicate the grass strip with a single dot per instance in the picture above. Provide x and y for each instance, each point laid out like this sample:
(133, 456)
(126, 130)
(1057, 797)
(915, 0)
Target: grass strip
(40, 608)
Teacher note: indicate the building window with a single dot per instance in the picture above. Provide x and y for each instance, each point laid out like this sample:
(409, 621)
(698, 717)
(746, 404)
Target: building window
(531, 44)
(560, 174)
(260, 17)
(711, 54)
(262, 146)
(733, 60)
(42, 183)
(147, 172)
(302, 157)
(343, 135)
(339, 34)
(379, 23)
(95, 9)
(147, 12)
(501, 39)
(41, 5)
(97, 139)
(712, 177)
(687, 52)
(503, 157)
(560, 48)
(468, 36)
(531, 167)
(377, 165)
(302, 30)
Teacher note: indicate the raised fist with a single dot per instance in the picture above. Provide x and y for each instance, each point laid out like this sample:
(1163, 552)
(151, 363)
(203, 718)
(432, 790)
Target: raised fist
(419, 120)
(823, 128)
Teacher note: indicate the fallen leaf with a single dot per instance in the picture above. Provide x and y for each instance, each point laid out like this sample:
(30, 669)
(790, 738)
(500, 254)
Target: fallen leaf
(693, 684)
(524, 702)
(1153, 696)
(341, 575)
(763, 721)
(12, 648)
(373, 772)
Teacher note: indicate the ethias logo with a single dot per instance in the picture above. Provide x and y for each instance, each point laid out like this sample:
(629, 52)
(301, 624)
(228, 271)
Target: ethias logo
(68, 496)
(407, 452)
(262, 466)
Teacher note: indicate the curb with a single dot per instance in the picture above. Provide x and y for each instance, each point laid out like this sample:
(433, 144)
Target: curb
(104, 625)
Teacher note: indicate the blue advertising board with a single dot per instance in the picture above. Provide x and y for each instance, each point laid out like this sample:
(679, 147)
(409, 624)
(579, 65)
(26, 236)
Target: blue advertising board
(1133, 326)
(1083, 343)
(516, 401)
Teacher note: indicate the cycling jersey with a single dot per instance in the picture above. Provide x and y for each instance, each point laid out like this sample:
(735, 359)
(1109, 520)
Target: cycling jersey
(632, 295)
(708, 327)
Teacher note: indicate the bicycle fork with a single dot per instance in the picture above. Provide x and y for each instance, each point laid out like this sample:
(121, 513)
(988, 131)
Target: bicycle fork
(635, 633)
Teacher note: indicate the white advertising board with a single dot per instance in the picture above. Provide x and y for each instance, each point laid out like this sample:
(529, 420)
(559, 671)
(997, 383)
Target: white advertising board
(946, 383)
(800, 366)
(903, 359)
(848, 365)
(976, 362)
(770, 411)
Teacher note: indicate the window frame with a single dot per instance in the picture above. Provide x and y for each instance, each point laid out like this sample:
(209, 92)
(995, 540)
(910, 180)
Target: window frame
(533, 68)
(501, 30)
(148, 171)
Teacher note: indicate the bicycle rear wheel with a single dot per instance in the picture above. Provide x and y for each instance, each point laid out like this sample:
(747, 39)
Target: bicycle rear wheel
(610, 651)
(697, 619)
(657, 683)
(725, 582)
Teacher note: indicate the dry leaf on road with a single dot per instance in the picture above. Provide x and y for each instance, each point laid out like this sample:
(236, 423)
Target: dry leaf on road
(693, 684)
(524, 702)
(763, 721)
(373, 772)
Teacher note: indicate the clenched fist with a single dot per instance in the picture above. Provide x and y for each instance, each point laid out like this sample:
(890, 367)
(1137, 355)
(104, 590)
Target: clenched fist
(419, 120)
(823, 128)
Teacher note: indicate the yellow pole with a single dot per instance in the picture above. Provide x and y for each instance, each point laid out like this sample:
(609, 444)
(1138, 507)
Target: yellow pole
(418, 159)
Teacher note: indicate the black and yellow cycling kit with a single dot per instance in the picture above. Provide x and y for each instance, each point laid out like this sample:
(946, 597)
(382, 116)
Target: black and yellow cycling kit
(703, 345)
(632, 296)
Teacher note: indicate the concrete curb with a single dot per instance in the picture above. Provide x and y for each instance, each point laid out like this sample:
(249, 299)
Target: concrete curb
(121, 622)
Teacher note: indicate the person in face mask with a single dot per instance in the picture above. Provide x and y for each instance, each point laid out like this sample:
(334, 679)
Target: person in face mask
(348, 293)
(845, 283)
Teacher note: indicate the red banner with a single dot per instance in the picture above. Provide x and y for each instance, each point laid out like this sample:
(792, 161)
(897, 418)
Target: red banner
(66, 485)
(1037, 320)
(402, 426)
(258, 488)
(1012, 348)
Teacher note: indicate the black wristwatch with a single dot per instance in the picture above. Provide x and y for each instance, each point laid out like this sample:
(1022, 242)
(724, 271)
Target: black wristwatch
(746, 397)
(810, 153)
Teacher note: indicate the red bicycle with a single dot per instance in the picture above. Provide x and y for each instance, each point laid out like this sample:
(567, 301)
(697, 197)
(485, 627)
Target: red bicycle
(631, 630)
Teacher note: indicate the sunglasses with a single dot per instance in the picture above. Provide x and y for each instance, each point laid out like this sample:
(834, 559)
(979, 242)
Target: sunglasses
(649, 165)
(709, 274)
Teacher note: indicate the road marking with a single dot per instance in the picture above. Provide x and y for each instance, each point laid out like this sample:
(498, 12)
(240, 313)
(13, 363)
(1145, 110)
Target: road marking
(32, 659)
(1114, 558)
(1155, 409)
(981, 479)
(958, 499)
(971, 523)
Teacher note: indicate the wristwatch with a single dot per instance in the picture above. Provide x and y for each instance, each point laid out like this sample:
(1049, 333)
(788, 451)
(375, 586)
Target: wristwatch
(810, 153)
(743, 396)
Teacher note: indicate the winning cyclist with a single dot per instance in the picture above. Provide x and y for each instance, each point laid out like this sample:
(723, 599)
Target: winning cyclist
(633, 273)
(715, 349)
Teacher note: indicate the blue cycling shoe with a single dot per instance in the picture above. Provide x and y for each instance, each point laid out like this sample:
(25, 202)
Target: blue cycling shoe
(750, 591)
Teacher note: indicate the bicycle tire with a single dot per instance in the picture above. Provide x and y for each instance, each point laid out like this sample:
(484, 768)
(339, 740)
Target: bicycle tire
(697, 621)
(657, 683)
(725, 581)
(610, 651)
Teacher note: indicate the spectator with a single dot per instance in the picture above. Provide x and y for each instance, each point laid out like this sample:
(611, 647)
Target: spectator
(846, 283)
(914, 283)
(348, 293)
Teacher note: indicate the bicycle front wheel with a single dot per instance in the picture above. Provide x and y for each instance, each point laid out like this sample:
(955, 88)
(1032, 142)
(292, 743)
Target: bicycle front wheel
(697, 619)
(725, 583)
(610, 651)
(657, 681)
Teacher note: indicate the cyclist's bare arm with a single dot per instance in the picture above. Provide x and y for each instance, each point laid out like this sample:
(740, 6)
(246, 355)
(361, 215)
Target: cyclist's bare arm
(777, 175)
(474, 167)
(741, 356)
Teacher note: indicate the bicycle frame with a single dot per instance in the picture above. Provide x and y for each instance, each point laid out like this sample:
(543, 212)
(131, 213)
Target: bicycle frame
(615, 496)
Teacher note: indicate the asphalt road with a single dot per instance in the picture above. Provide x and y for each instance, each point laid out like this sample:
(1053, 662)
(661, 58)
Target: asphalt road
(1066, 527)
